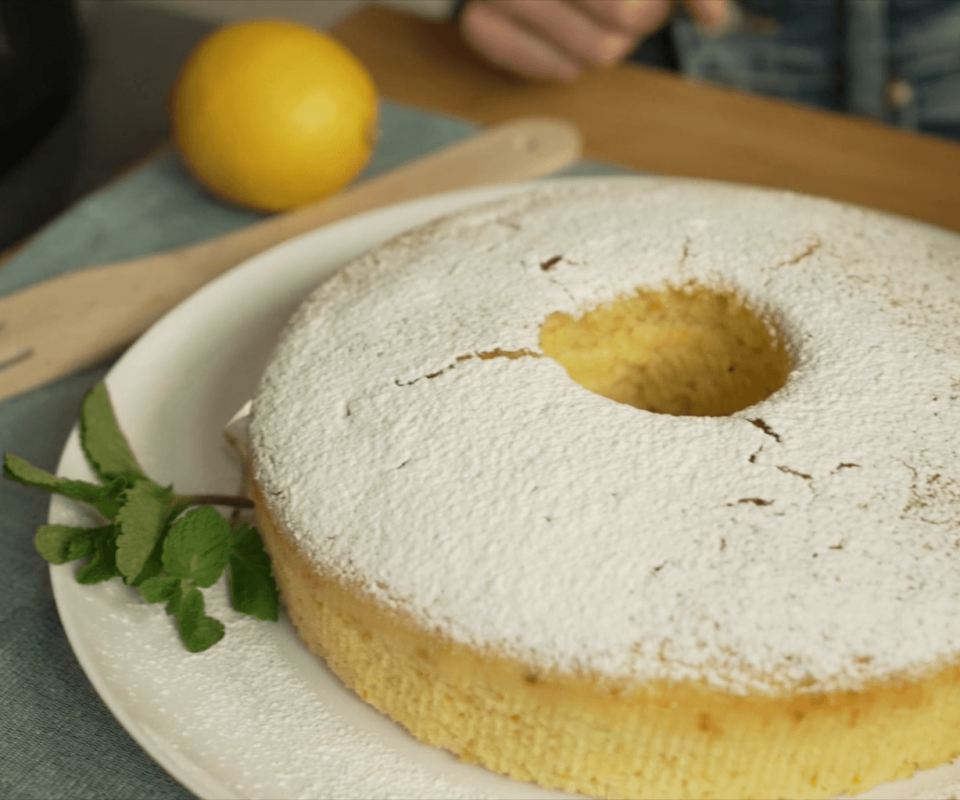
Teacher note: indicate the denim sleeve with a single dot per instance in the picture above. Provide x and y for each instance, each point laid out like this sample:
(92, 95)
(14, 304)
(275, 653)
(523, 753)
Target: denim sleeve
(924, 64)
(790, 49)
(897, 61)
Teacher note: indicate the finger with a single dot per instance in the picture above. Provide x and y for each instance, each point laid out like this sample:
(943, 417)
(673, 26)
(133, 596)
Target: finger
(711, 14)
(636, 18)
(505, 42)
(562, 24)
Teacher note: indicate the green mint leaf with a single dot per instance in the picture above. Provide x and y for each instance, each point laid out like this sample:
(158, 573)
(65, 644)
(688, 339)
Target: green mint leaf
(104, 498)
(197, 630)
(146, 544)
(252, 587)
(103, 565)
(173, 604)
(197, 546)
(154, 563)
(59, 544)
(152, 567)
(158, 590)
(142, 518)
(104, 445)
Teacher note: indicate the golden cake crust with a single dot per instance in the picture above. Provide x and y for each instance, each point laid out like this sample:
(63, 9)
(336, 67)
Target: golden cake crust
(586, 734)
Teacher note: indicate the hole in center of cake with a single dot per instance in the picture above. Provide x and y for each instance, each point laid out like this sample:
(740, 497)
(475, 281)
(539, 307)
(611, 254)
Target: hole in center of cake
(686, 351)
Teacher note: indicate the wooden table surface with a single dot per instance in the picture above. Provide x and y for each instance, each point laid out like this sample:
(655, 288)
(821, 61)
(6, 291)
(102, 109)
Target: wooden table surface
(659, 122)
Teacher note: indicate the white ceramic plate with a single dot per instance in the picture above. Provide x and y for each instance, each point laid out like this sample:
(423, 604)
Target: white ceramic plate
(257, 715)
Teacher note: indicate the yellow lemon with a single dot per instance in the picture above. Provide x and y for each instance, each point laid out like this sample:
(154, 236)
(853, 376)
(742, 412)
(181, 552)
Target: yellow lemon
(272, 114)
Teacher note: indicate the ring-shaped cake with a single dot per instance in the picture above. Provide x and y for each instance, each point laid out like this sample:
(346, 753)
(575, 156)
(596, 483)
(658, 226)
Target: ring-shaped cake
(634, 487)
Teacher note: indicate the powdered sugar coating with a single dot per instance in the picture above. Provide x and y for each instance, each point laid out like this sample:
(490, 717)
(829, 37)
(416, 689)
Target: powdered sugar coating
(502, 504)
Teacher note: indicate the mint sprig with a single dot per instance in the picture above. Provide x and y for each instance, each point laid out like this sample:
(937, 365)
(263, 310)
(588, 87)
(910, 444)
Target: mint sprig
(145, 537)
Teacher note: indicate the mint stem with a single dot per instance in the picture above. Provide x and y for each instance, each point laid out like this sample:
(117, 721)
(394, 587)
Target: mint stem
(233, 501)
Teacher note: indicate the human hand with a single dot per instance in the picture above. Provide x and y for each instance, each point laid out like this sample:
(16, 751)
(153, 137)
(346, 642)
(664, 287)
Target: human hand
(558, 38)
